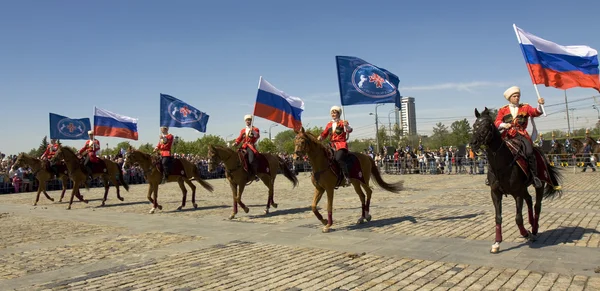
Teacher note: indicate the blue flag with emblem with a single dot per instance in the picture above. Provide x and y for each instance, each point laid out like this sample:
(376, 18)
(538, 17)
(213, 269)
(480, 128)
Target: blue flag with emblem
(62, 127)
(176, 113)
(363, 83)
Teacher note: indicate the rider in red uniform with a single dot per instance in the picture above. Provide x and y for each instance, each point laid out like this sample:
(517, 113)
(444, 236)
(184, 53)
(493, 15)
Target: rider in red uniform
(248, 138)
(338, 129)
(47, 156)
(164, 146)
(92, 146)
(513, 119)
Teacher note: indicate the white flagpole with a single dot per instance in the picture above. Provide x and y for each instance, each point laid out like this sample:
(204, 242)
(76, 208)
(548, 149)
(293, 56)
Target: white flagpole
(530, 72)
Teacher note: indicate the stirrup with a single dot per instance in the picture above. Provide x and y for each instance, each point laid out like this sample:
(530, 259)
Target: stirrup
(539, 182)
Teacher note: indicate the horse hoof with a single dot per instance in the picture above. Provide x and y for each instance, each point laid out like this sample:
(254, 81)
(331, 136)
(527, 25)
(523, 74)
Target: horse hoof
(60, 200)
(232, 216)
(34, 204)
(69, 208)
(121, 198)
(85, 201)
(102, 204)
(368, 217)
(179, 208)
(159, 207)
(326, 229)
(324, 221)
(274, 205)
(195, 206)
(266, 211)
(246, 209)
(51, 199)
(495, 248)
(152, 210)
(532, 237)
(360, 221)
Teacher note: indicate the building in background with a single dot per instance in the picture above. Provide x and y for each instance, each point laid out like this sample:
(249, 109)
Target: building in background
(408, 117)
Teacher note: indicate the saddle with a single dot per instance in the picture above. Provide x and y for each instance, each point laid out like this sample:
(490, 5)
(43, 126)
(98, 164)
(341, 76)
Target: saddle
(176, 169)
(354, 169)
(97, 167)
(515, 147)
(262, 165)
(60, 166)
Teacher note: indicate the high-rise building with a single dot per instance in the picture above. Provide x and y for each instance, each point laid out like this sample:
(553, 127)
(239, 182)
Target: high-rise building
(408, 116)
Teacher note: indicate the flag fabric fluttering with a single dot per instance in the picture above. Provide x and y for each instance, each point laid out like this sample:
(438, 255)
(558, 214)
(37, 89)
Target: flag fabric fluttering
(277, 106)
(176, 113)
(62, 127)
(107, 123)
(363, 83)
(558, 66)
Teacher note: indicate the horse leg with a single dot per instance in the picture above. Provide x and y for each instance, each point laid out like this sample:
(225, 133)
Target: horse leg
(183, 193)
(363, 205)
(538, 209)
(42, 188)
(75, 190)
(106, 187)
(239, 198)
(65, 181)
(329, 210)
(368, 203)
(234, 194)
(529, 203)
(270, 183)
(155, 197)
(193, 187)
(316, 198)
(497, 200)
(115, 182)
(519, 216)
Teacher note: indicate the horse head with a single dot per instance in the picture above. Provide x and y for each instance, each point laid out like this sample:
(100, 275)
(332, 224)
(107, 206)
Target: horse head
(302, 143)
(58, 155)
(217, 154)
(21, 161)
(483, 130)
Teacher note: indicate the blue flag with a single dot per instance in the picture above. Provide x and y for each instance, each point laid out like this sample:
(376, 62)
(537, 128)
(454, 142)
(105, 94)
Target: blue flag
(176, 113)
(363, 83)
(62, 127)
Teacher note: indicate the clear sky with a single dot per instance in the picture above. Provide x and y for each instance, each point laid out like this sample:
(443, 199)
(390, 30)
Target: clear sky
(66, 57)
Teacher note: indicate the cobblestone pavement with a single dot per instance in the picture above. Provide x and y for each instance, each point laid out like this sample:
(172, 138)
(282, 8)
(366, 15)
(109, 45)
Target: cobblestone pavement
(435, 235)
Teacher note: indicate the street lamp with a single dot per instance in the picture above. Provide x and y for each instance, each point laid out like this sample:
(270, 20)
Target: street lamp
(376, 129)
(227, 138)
(272, 125)
(390, 124)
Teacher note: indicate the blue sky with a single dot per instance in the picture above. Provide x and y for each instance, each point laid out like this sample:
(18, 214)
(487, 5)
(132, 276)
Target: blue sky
(66, 57)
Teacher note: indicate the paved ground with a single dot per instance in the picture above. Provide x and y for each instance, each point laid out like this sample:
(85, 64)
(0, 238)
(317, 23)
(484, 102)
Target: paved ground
(435, 235)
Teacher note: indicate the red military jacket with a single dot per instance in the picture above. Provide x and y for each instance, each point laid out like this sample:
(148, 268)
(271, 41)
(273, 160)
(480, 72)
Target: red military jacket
(51, 150)
(519, 123)
(338, 134)
(246, 141)
(91, 147)
(164, 145)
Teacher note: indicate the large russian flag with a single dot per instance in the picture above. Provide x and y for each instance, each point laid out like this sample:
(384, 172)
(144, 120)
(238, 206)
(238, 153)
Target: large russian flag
(275, 105)
(107, 123)
(558, 66)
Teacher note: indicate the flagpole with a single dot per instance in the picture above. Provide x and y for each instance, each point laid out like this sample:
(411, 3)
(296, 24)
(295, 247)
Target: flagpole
(529, 69)
(254, 110)
(341, 99)
(568, 119)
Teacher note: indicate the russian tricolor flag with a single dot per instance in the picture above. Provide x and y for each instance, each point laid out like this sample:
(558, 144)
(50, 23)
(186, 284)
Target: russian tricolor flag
(558, 66)
(107, 123)
(275, 105)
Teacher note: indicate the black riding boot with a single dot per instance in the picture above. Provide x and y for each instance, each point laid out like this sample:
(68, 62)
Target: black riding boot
(253, 169)
(344, 167)
(537, 183)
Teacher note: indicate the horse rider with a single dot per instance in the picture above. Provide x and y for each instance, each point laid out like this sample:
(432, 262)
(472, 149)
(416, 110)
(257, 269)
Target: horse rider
(248, 137)
(164, 145)
(47, 156)
(92, 147)
(553, 142)
(541, 140)
(513, 119)
(567, 144)
(339, 130)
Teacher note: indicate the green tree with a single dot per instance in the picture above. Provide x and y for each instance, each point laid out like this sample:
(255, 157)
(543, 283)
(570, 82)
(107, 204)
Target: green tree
(42, 148)
(146, 148)
(440, 136)
(265, 145)
(206, 140)
(461, 132)
(360, 145)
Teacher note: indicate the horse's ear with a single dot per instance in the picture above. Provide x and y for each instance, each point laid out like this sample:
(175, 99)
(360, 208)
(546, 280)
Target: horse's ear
(477, 113)
(302, 130)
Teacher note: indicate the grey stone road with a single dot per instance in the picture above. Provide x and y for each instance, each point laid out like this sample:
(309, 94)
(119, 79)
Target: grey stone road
(435, 235)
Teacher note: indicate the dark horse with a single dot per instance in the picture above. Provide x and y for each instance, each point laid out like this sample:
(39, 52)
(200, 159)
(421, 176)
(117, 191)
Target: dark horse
(506, 177)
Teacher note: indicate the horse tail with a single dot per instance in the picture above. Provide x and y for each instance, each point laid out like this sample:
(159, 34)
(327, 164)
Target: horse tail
(196, 177)
(395, 187)
(287, 172)
(556, 177)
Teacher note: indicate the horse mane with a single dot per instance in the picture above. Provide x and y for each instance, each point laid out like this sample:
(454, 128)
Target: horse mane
(314, 140)
(69, 150)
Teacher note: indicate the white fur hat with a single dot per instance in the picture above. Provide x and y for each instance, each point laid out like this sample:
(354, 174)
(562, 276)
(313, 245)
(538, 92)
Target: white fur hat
(247, 116)
(91, 132)
(510, 91)
(336, 108)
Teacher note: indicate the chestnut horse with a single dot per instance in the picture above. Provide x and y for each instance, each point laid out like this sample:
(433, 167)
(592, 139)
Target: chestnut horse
(154, 176)
(326, 180)
(506, 177)
(238, 177)
(111, 172)
(43, 174)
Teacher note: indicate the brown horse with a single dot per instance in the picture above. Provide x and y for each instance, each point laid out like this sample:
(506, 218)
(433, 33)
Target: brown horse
(182, 170)
(238, 177)
(107, 169)
(43, 174)
(325, 179)
(595, 147)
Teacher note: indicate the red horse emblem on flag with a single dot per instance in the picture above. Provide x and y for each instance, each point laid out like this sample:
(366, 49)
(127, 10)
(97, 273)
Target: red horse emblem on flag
(185, 111)
(378, 80)
(71, 127)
